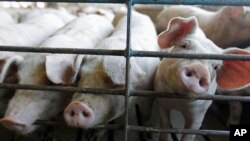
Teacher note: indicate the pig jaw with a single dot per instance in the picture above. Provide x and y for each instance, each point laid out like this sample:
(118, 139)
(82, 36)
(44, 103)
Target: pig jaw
(19, 127)
(27, 106)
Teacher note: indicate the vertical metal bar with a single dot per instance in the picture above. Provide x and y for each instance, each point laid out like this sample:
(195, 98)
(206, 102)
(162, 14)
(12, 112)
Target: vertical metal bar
(127, 82)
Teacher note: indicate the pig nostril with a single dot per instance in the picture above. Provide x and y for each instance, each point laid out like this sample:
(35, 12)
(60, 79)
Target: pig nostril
(72, 113)
(188, 74)
(85, 114)
(203, 83)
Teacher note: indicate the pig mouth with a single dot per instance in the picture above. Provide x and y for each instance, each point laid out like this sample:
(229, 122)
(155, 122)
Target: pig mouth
(17, 126)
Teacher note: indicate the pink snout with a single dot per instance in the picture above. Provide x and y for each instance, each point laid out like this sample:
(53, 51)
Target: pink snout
(78, 114)
(16, 125)
(195, 78)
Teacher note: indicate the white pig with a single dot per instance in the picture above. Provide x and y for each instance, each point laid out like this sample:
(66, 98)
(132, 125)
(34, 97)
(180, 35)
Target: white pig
(29, 33)
(62, 13)
(88, 110)
(194, 76)
(27, 106)
(6, 18)
(227, 27)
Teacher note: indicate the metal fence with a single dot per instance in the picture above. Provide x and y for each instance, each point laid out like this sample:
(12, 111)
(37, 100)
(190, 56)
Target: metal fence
(127, 53)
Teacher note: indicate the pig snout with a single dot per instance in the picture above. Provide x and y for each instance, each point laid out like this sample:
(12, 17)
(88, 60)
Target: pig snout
(195, 78)
(16, 125)
(78, 114)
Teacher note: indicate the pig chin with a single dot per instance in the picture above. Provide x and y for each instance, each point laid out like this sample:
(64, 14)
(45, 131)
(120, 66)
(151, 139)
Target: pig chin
(17, 126)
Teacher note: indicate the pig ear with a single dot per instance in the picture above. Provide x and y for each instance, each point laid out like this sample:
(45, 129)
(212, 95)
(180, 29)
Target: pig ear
(115, 67)
(234, 74)
(9, 67)
(233, 11)
(177, 28)
(62, 68)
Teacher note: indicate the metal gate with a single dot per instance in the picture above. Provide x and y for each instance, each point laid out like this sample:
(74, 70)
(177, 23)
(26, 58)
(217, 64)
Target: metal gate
(127, 53)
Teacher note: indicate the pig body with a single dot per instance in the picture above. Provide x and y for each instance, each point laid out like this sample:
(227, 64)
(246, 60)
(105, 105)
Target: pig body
(28, 105)
(227, 22)
(193, 76)
(87, 110)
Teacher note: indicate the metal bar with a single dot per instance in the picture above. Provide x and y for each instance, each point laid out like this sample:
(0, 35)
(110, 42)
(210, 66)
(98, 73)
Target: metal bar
(179, 131)
(184, 2)
(64, 89)
(127, 79)
(122, 53)
(60, 123)
(190, 55)
(142, 128)
(191, 97)
(62, 50)
(72, 90)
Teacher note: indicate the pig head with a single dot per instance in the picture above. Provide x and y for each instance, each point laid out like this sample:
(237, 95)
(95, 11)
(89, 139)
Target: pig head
(87, 110)
(27, 106)
(8, 66)
(194, 76)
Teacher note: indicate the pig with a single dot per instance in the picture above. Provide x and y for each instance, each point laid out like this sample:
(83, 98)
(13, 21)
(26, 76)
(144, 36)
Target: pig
(88, 110)
(62, 13)
(29, 33)
(230, 22)
(27, 106)
(151, 10)
(96, 10)
(6, 18)
(194, 76)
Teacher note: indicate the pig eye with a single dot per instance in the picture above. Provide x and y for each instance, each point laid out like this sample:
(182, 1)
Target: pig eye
(184, 46)
(216, 67)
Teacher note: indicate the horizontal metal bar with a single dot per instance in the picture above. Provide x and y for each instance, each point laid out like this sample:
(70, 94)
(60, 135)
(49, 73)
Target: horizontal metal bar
(62, 50)
(121, 92)
(184, 2)
(179, 131)
(60, 123)
(64, 89)
(141, 128)
(190, 55)
(192, 97)
(122, 53)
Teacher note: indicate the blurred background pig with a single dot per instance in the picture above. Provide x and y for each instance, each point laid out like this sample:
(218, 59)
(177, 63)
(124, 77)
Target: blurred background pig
(27, 106)
(6, 18)
(193, 76)
(228, 22)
